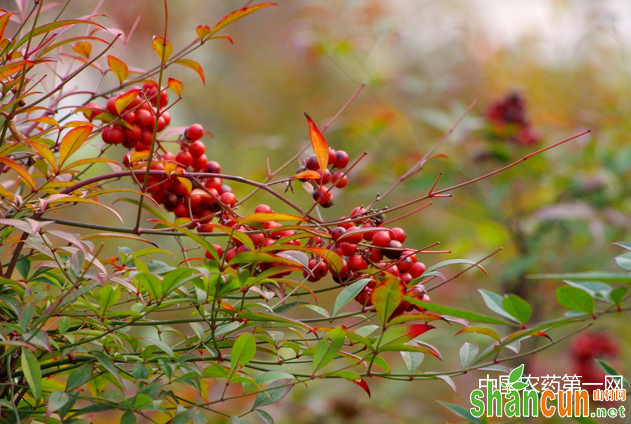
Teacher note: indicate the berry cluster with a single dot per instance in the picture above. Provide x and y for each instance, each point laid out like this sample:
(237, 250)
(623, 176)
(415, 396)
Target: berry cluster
(134, 123)
(507, 117)
(321, 193)
(366, 247)
(587, 347)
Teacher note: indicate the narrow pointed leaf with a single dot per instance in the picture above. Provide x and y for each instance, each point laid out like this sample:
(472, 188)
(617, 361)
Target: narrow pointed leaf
(480, 330)
(20, 170)
(32, 372)
(328, 348)
(386, 297)
(318, 143)
(467, 353)
(517, 307)
(243, 351)
(494, 302)
(125, 100)
(236, 15)
(349, 293)
(189, 63)
(72, 141)
(575, 299)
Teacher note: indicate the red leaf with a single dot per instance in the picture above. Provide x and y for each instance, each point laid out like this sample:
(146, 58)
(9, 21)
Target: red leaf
(320, 147)
(362, 383)
(4, 20)
(238, 14)
(194, 66)
(118, 67)
(542, 334)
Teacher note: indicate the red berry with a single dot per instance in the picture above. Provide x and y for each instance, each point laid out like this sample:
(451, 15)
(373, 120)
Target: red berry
(339, 180)
(325, 177)
(205, 228)
(167, 117)
(394, 250)
(348, 249)
(337, 233)
(353, 238)
(417, 269)
(197, 148)
(194, 132)
(116, 135)
(263, 209)
(199, 163)
(332, 155)
(320, 195)
(381, 239)
(376, 255)
(105, 135)
(399, 234)
(130, 117)
(181, 210)
(111, 105)
(161, 124)
(144, 118)
(168, 157)
(228, 199)
(312, 163)
(213, 167)
(356, 263)
(184, 158)
(341, 160)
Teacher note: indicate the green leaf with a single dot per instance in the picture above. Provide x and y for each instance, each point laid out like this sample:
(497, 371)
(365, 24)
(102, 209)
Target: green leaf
(23, 265)
(183, 417)
(273, 394)
(481, 330)
(32, 372)
(575, 299)
(108, 365)
(517, 308)
(452, 262)
(107, 297)
(412, 360)
(160, 344)
(79, 376)
(467, 353)
(349, 293)
(264, 416)
(617, 295)
(243, 351)
(386, 297)
(609, 370)
(494, 302)
(56, 401)
(609, 277)
(624, 261)
(236, 420)
(454, 312)
(151, 284)
(128, 417)
(328, 347)
(596, 290)
(25, 317)
(461, 411)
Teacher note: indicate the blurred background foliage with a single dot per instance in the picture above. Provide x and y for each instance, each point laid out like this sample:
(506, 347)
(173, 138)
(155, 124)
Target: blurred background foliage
(424, 62)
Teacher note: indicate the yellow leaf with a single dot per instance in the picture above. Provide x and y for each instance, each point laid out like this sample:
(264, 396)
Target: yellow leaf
(44, 152)
(73, 141)
(187, 183)
(202, 32)
(83, 48)
(124, 100)
(118, 67)
(176, 86)
(45, 120)
(194, 66)
(238, 14)
(159, 43)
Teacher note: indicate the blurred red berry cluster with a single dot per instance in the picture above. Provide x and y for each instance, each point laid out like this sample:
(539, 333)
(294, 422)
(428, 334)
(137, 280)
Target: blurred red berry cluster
(508, 120)
(585, 349)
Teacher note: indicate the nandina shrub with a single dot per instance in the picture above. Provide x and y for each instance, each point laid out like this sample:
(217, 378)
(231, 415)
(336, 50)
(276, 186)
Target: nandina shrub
(74, 322)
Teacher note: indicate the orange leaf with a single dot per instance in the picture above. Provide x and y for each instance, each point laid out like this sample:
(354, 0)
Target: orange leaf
(194, 66)
(125, 100)
(307, 175)
(13, 68)
(83, 48)
(44, 152)
(118, 67)
(176, 86)
(318, 143)
(45, 120)
(202, 32)
(238, 14)
(4, 20)
(72, 141)
(159, 45)
(187, 183)
(20, 170)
